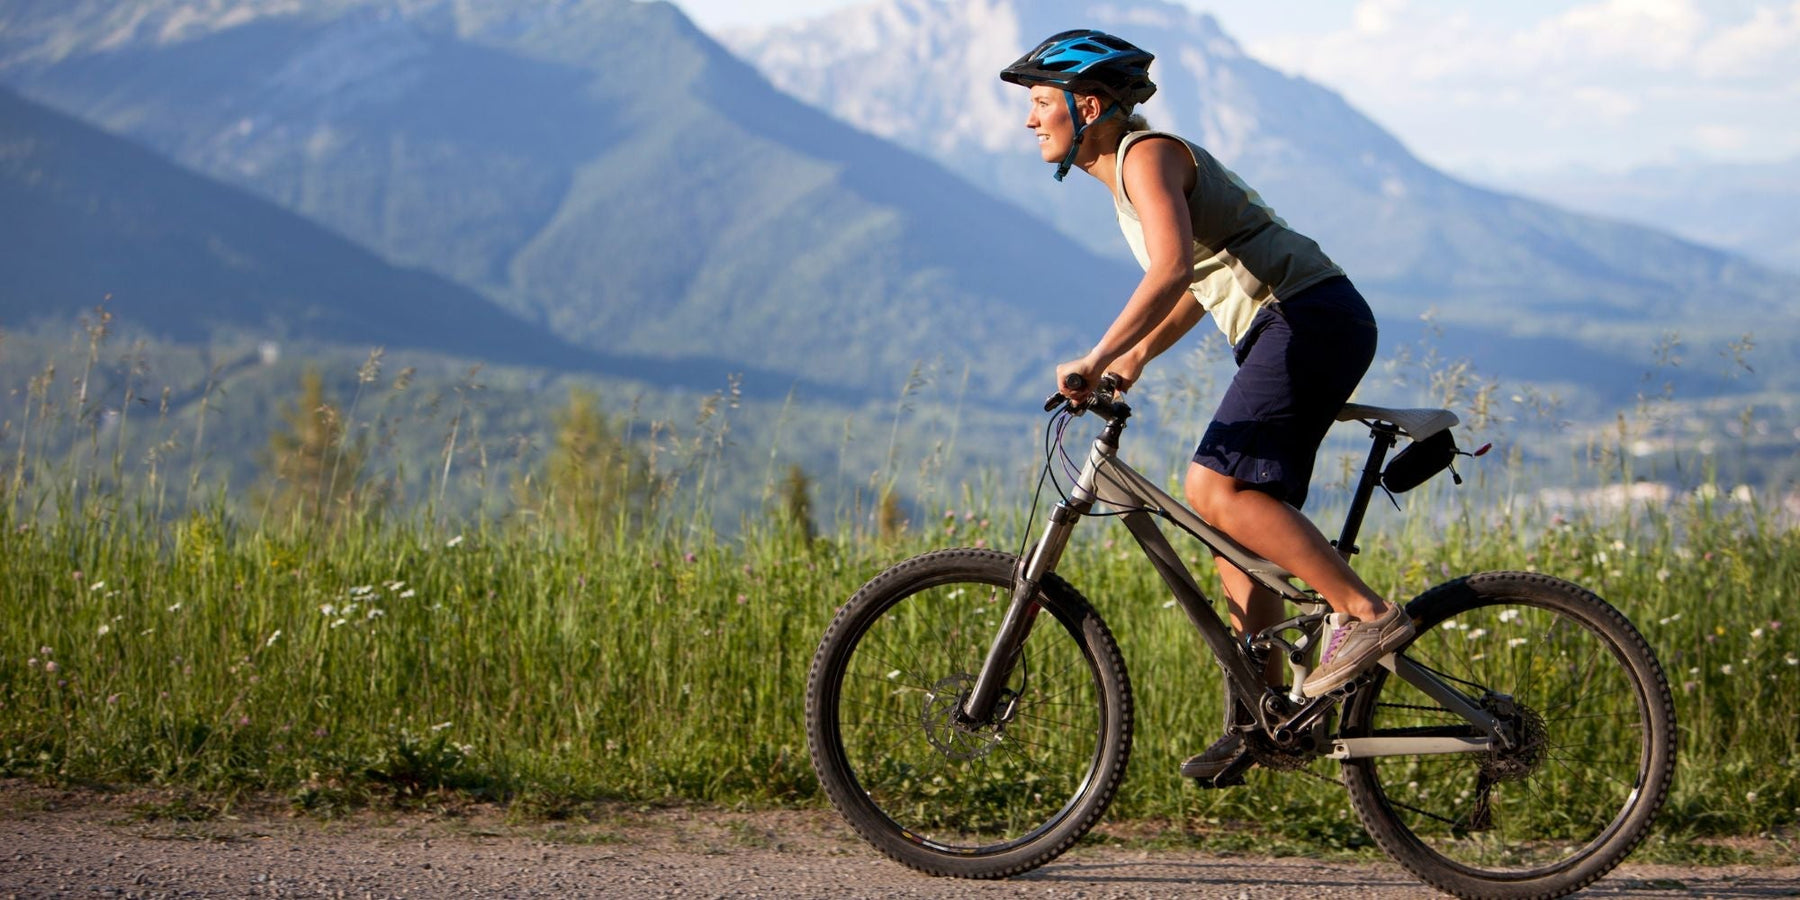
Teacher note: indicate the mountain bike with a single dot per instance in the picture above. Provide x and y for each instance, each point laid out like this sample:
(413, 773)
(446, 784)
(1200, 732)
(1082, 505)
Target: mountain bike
(970, 714)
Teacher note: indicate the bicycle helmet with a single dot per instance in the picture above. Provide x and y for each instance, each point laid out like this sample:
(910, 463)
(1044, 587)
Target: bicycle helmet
(1086, 61)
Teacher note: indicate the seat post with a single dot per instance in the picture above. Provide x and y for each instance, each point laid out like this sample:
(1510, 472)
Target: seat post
(1385, 436)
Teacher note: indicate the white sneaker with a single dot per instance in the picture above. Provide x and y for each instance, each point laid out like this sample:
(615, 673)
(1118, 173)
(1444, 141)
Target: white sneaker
(1355, 647)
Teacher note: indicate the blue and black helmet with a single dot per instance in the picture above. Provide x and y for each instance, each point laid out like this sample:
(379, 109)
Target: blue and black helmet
(1083, 59)
(1089, 62)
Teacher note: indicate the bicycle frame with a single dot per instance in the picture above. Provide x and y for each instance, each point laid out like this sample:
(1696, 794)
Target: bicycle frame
(1106, 479)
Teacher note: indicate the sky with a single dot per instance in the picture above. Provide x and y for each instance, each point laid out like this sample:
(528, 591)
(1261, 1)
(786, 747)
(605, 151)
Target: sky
(1502, 91)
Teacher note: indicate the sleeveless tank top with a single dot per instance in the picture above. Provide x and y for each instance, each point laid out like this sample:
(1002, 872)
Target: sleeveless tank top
(1245, 256)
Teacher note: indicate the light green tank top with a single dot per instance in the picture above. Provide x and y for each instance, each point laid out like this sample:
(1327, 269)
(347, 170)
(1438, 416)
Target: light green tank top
(1245, 256)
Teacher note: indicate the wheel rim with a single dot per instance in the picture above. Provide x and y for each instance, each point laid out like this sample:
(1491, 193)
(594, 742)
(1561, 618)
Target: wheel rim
(959, 790)
(1582, 759)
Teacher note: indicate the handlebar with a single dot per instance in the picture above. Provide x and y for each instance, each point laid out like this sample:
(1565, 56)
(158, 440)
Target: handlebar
(1104, 400)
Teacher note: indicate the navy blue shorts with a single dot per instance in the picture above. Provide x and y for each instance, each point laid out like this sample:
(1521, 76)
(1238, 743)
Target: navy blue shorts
(1297, 365)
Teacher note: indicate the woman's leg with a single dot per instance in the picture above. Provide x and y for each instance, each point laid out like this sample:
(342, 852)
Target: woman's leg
(1279, 533)
(1253, 608)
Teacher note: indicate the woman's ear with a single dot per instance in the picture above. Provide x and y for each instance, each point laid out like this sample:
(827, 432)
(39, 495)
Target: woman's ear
(1090, 108)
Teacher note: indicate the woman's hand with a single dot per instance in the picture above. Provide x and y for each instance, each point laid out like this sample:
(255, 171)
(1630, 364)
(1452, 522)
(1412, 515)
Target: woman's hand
(1090, 370)
(1126, 370)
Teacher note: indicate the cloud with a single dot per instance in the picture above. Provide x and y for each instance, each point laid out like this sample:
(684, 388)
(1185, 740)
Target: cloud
(1488, 86)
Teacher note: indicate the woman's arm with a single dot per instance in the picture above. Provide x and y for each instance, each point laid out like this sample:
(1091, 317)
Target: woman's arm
(1156, 173)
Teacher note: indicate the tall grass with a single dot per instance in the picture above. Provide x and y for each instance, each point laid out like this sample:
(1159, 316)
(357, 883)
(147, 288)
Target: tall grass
(495, 657)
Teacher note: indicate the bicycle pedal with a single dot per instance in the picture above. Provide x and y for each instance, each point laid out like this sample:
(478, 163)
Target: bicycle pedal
(1230, 776)
(1219, 782)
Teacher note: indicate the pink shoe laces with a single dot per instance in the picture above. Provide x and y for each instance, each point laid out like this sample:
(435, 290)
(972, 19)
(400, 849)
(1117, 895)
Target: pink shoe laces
(1331, 646)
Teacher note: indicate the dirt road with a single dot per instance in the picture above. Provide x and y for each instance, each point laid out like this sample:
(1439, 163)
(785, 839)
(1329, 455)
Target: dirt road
(81, 844)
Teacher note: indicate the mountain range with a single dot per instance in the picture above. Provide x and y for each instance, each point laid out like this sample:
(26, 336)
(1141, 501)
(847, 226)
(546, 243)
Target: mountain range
(1530, 289)
(598, 186)
(658, 199)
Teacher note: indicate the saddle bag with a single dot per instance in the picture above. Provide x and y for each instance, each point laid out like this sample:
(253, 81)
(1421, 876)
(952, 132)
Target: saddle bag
(1420, 460)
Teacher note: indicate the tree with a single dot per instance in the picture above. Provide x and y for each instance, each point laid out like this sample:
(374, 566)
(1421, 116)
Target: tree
(796, 503)
(310, 472)
(592, 480)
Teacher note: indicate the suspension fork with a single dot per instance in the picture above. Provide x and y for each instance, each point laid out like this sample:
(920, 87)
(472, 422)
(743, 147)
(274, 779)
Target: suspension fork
(1022, 612)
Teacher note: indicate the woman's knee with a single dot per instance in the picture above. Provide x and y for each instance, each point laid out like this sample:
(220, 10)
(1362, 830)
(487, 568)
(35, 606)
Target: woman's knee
(1209, 492)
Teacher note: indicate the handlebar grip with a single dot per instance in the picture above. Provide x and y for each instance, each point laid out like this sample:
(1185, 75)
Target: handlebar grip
(1072, 381)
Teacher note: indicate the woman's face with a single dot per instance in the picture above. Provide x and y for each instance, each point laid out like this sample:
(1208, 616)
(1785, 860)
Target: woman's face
(1049, 119)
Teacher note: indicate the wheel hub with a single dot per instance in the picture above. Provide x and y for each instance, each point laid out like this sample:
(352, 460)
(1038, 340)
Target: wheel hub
(1531, 740)
(945, 728)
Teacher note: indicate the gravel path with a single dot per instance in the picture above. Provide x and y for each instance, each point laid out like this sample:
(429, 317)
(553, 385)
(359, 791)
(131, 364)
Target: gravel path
(82, 844)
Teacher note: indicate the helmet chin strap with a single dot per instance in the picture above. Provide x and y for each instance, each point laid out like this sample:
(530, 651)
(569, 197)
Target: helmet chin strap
(1080, 129)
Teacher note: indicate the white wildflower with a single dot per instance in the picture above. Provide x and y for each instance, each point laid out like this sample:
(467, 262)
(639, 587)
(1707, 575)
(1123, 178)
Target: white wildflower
(454, 541)
(272, 638)
(326, 609)
(1518, 642)
(1476, 635)
(1725, 669)
(105, 629)
(440, 726)
(376, 613)
(362, 590)
(96, 585)
(175, 608)
(340, 622)
(407, 593)
(1756, 632)
(1509, 615)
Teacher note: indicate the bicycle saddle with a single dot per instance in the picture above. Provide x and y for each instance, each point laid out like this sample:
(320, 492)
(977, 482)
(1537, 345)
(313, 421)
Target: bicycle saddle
(1417, 424)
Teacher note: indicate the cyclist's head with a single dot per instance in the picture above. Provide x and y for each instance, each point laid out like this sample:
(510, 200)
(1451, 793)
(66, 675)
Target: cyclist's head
(1084, 61)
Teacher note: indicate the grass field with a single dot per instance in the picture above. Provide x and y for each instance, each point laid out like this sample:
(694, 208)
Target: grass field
(398, 658)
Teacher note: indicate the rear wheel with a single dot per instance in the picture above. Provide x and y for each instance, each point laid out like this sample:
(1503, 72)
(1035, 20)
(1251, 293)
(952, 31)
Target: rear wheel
(1593, 751)
(982, 800)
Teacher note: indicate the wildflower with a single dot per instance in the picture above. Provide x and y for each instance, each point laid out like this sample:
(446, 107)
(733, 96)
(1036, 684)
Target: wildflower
(440, 726)
(1476, 635)
(327, 609)
(340, 622)
(1756, 632)
(743, 599)
(1662, 575)
(1792, 660)
(46, 651)
(112, 700)
(407, 593)
(1725, 669)
(1518, 642)
(454, 541)
(375, 613)
(689, 557)
(272, 638)
(31, 663)
(176, 607)
(105, 629)
(1509, 615)
(362, 590)
(96, 585)
(1749, 796)
(51, 666)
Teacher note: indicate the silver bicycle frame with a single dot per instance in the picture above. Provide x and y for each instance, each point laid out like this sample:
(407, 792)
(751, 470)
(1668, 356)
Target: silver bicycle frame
(1106, 479)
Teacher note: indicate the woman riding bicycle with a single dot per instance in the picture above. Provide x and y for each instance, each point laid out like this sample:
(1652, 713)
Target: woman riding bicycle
(1301, 334)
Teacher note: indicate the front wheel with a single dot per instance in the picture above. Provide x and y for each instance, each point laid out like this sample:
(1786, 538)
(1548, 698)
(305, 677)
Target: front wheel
(1592, 727)
(973, 800)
